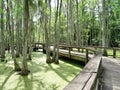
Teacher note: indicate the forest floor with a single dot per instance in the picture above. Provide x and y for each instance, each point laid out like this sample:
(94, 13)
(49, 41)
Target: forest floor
(42, 76)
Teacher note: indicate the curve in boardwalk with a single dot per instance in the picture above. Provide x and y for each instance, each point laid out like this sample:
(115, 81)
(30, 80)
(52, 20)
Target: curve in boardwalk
(88, 78)
(110, 78)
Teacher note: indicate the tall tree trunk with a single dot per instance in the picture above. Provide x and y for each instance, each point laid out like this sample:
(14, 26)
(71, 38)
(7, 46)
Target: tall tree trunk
(71, 22)
(30, 41)
(25, 70)
(82, 22)
(68, 30)
(104, 27)
(2, 32)
(21, 35)
(47, 39)
(18, 31)
(58, 35)
(56, 39)
(18, 40)
(11, 34)
(77, 24)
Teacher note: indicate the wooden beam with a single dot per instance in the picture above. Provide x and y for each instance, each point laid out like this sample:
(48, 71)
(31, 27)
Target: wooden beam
(114, 53)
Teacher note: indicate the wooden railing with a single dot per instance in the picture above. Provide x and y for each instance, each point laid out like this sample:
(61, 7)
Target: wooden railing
(83, 49)
(70, 52)
(88, 79)
(114, 50)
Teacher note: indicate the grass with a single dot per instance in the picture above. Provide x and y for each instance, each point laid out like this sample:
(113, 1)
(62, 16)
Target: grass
(42, 76)
(110, 53)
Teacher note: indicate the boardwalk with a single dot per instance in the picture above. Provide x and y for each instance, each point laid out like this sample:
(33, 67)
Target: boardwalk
(74, 55)
(111, 74)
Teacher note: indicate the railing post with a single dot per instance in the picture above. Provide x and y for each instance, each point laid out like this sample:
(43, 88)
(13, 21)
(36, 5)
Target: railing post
(44, 50)
(69, 52)
(34, 47)
(114, 53)
(78, 49)
(86, 56)
(82, 50)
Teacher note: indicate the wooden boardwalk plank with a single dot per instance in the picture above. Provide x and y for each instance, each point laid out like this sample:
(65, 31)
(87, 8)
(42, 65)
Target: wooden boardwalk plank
(110, 78)
(74, 55)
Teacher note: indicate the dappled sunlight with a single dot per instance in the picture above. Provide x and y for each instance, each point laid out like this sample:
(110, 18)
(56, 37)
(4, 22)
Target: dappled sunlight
(42, 76)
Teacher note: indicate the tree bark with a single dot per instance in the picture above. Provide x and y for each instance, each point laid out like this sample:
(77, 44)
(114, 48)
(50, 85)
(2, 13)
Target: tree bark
(11, 34)
(47, 39)
(25, 70)
(18, 31)
(56, 41)
(77, 23)
(58, 35)
(104, 28)
(68, 26)
(2, 33)
(30, 41)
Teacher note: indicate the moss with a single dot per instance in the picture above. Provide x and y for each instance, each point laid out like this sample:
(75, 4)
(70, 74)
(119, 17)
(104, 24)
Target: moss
(42, 76)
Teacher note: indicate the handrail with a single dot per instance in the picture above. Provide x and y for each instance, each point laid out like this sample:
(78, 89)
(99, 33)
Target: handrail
(87, 79)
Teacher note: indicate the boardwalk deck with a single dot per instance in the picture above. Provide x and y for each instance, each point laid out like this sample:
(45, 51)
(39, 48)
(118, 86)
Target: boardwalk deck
(110, 78)
(74, 55)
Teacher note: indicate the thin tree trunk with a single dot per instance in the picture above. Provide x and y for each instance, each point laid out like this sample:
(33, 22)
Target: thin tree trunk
(58, 35)
(47, 40)
(18, 32)
(104, 27)
(56, 42)
(82, 22)
(30, 42)
(21, 35)
(17, 40)
(71, 22)
(68, 31)
(11, 34)
(2, 32)
(77, 29)
(25, 70)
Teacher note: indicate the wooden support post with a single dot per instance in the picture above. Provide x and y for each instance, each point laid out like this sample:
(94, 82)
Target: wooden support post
(34, 47)
(86, 56)
(69, 49)
(78, 49)
(114, 53)
(82, 50)
(44, 51)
